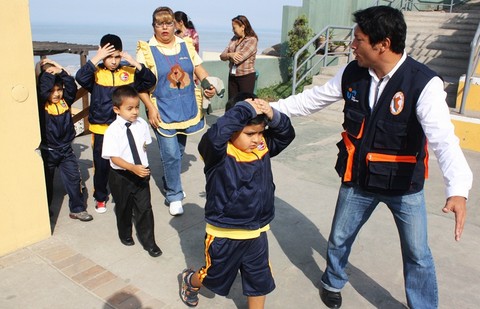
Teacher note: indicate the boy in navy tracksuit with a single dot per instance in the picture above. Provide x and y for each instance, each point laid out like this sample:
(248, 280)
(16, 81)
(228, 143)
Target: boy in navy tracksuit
(56, 94)
(101, 80)
(240, 199)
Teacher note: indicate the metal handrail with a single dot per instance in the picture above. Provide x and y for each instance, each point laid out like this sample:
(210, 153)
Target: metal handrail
(472, 66)
(404, 5)
(408, 5)
(327, 32)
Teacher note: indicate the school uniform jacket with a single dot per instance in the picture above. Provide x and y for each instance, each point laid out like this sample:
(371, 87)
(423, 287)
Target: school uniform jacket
(384, 150)
(240, 188)
(56, 124)
(101, 82)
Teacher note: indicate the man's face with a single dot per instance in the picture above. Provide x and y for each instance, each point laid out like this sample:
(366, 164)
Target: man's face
(366, 54)
(113, 61)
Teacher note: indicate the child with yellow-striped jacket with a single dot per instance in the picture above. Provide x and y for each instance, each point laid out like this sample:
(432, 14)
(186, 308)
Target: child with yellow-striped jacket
(240, 199)
(101, 79)
(56, 94)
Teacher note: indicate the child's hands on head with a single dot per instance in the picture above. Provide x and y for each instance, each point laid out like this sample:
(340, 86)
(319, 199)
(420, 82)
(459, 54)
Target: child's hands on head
(132, 61)
(254, 105)
(106, 50)
(50, 66)
(103, 52)
(261, 107)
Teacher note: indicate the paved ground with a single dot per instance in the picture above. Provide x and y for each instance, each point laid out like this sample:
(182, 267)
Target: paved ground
(84, 265)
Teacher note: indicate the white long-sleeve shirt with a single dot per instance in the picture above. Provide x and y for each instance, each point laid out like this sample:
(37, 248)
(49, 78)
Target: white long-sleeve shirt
(432, 113)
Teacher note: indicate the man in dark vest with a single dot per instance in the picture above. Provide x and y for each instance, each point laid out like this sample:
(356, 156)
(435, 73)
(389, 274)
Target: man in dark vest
(393, 106)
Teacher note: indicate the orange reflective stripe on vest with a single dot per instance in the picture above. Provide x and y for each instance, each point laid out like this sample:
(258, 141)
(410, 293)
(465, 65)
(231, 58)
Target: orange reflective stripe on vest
(380, 157)
(347, 176)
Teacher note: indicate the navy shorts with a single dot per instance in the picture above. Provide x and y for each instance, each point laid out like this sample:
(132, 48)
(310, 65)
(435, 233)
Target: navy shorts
(224, 257)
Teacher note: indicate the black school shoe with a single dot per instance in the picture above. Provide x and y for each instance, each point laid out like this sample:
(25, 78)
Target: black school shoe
(127, 241)
(331, 299)
(154, 251)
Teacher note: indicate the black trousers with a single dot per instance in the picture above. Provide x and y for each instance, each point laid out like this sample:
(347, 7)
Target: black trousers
(244, 83)
(101, 169)
(132, 203)
(67, 163)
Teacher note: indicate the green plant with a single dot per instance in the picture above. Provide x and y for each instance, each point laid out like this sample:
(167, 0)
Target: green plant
(298, 36)
(281, 90)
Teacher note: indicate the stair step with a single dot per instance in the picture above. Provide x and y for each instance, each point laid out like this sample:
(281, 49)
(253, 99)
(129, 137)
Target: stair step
(436, 53)
(439, 38)
(447, 62)
(434, 26)
(422, 29)
(439, 45)
(464, 17)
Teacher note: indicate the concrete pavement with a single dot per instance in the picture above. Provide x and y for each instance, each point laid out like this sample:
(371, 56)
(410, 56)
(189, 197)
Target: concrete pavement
(84, 265)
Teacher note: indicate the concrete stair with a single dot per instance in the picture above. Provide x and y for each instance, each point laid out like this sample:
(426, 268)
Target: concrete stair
(442, 41)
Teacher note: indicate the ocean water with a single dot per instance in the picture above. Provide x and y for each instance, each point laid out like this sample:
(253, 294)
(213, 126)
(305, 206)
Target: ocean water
(211, 39)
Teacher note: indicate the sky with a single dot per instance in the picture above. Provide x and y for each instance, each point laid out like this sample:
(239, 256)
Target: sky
(262, 14)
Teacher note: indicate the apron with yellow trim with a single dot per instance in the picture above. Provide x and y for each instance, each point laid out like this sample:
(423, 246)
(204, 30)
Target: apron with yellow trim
(174, 93)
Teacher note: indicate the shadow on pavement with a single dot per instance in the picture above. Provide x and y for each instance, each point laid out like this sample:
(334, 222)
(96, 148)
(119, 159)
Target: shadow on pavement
(299, 238)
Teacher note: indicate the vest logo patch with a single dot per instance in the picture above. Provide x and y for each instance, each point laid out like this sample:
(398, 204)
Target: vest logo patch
(397, 103)
(351, 95)
(124, 76)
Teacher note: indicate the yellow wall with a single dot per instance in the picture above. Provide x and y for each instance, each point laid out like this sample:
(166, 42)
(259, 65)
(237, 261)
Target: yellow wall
(467, 130)
(472, 102)
(23, 204)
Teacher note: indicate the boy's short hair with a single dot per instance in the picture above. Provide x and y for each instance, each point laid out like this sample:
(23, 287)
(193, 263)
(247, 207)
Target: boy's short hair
(121, 93)
(113, 40)
(242, 96)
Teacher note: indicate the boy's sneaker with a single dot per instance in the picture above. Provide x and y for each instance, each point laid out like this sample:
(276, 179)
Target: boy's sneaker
(188, 293)
(100, 207)
(82, 216)
(176, 208)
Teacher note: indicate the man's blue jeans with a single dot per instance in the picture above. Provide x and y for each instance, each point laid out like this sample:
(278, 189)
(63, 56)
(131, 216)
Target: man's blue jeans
(171, 153)
(354, 207)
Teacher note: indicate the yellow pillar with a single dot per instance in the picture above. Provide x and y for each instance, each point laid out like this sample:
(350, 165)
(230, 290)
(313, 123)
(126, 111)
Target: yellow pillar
(23, 204)
(472, 103)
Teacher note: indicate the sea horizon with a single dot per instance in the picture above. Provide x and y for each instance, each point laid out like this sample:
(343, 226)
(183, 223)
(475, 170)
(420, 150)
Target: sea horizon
(212, 39)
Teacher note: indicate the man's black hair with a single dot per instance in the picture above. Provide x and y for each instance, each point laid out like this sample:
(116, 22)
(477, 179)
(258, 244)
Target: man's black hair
(381, 22)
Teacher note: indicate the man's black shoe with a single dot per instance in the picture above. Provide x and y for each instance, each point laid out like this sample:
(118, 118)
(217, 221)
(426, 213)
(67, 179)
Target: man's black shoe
(331, 299)
(127, 241)
(154, 251)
